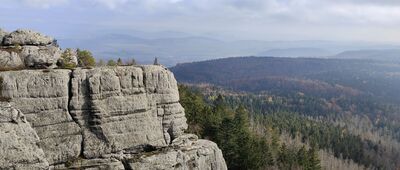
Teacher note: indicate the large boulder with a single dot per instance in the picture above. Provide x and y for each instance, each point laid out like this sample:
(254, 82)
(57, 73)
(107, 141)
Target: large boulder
(19, 143)
(40, 57)
(26, 48)
(27, 37)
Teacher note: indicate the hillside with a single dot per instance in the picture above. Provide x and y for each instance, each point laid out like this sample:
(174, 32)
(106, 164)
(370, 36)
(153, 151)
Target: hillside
(352, 76)
(346, 108)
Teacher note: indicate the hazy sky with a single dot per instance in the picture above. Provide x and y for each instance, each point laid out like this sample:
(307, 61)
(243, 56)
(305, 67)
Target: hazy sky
(366, 20)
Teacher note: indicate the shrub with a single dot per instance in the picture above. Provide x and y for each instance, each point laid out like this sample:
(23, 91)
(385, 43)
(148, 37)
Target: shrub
(67, 59)
(111, 63)
(85, 58)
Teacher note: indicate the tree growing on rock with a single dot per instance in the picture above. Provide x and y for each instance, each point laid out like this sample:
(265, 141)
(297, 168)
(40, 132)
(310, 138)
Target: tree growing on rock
(68, 59)
(85, 58)
(131, 63)
(156, 61)
(119, 62)
(111, 63)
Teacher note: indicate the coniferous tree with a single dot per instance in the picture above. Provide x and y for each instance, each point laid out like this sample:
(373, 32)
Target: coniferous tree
(119, 62)
(313, 160)
(156, 61)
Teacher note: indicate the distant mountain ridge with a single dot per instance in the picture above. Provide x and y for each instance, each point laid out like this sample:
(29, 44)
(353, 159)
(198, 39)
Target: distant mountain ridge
(176, 47)
(297, 52)
(373, 54)
(376, 78)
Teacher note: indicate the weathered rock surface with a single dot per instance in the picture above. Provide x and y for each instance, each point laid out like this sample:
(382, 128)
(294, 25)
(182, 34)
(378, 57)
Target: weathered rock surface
(10, 59)
(43, 98)
(19, 142)
(27, 37)
(2, 35)
(28, 49)
(195, 154)
(121, 107)
(40, 57)
(91, 164)
(109, 118)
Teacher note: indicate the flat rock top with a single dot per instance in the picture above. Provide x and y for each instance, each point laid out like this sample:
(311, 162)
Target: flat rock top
(26, 37)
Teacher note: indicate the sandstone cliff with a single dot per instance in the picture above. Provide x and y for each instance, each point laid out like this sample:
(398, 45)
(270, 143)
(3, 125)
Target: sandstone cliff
(100, 118)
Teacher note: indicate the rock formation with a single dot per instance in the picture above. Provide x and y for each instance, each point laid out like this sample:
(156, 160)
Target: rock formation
(27, 49)
(101, 118)
(18, 141)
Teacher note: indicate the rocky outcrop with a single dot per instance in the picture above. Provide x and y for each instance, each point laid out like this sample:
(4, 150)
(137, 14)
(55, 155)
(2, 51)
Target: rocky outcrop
(27, 37)
(107, 102)
(43, 97)
(26, 48)
(19, 142)
(109, 118)
(191, 154)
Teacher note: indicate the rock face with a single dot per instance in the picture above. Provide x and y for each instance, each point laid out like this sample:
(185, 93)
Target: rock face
(107, 101)
(43, 97)
(19, 142)
(108, 118)
(26, 48)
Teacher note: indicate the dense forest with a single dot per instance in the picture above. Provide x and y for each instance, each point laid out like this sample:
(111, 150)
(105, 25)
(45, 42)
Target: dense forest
(345, 112)
(230, 128)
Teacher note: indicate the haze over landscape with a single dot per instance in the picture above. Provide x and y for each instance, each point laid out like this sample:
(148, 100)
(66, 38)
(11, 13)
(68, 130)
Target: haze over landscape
(181, 30)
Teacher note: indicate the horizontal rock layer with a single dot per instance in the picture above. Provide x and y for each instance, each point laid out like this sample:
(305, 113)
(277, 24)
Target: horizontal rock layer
(90, 114)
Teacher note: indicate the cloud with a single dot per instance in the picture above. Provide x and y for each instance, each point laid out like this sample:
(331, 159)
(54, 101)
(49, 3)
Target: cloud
(247, 18)
(43, 3)
(111, 4)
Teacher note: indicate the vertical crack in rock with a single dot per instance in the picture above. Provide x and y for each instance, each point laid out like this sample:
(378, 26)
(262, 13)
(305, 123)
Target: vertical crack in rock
(93, 120)
(69, 111)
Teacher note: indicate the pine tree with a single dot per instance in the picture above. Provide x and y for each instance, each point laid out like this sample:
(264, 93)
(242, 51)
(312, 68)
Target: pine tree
(156, 61)
(313, 160)
(119, 62)
(133, 62)
(302, 157)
